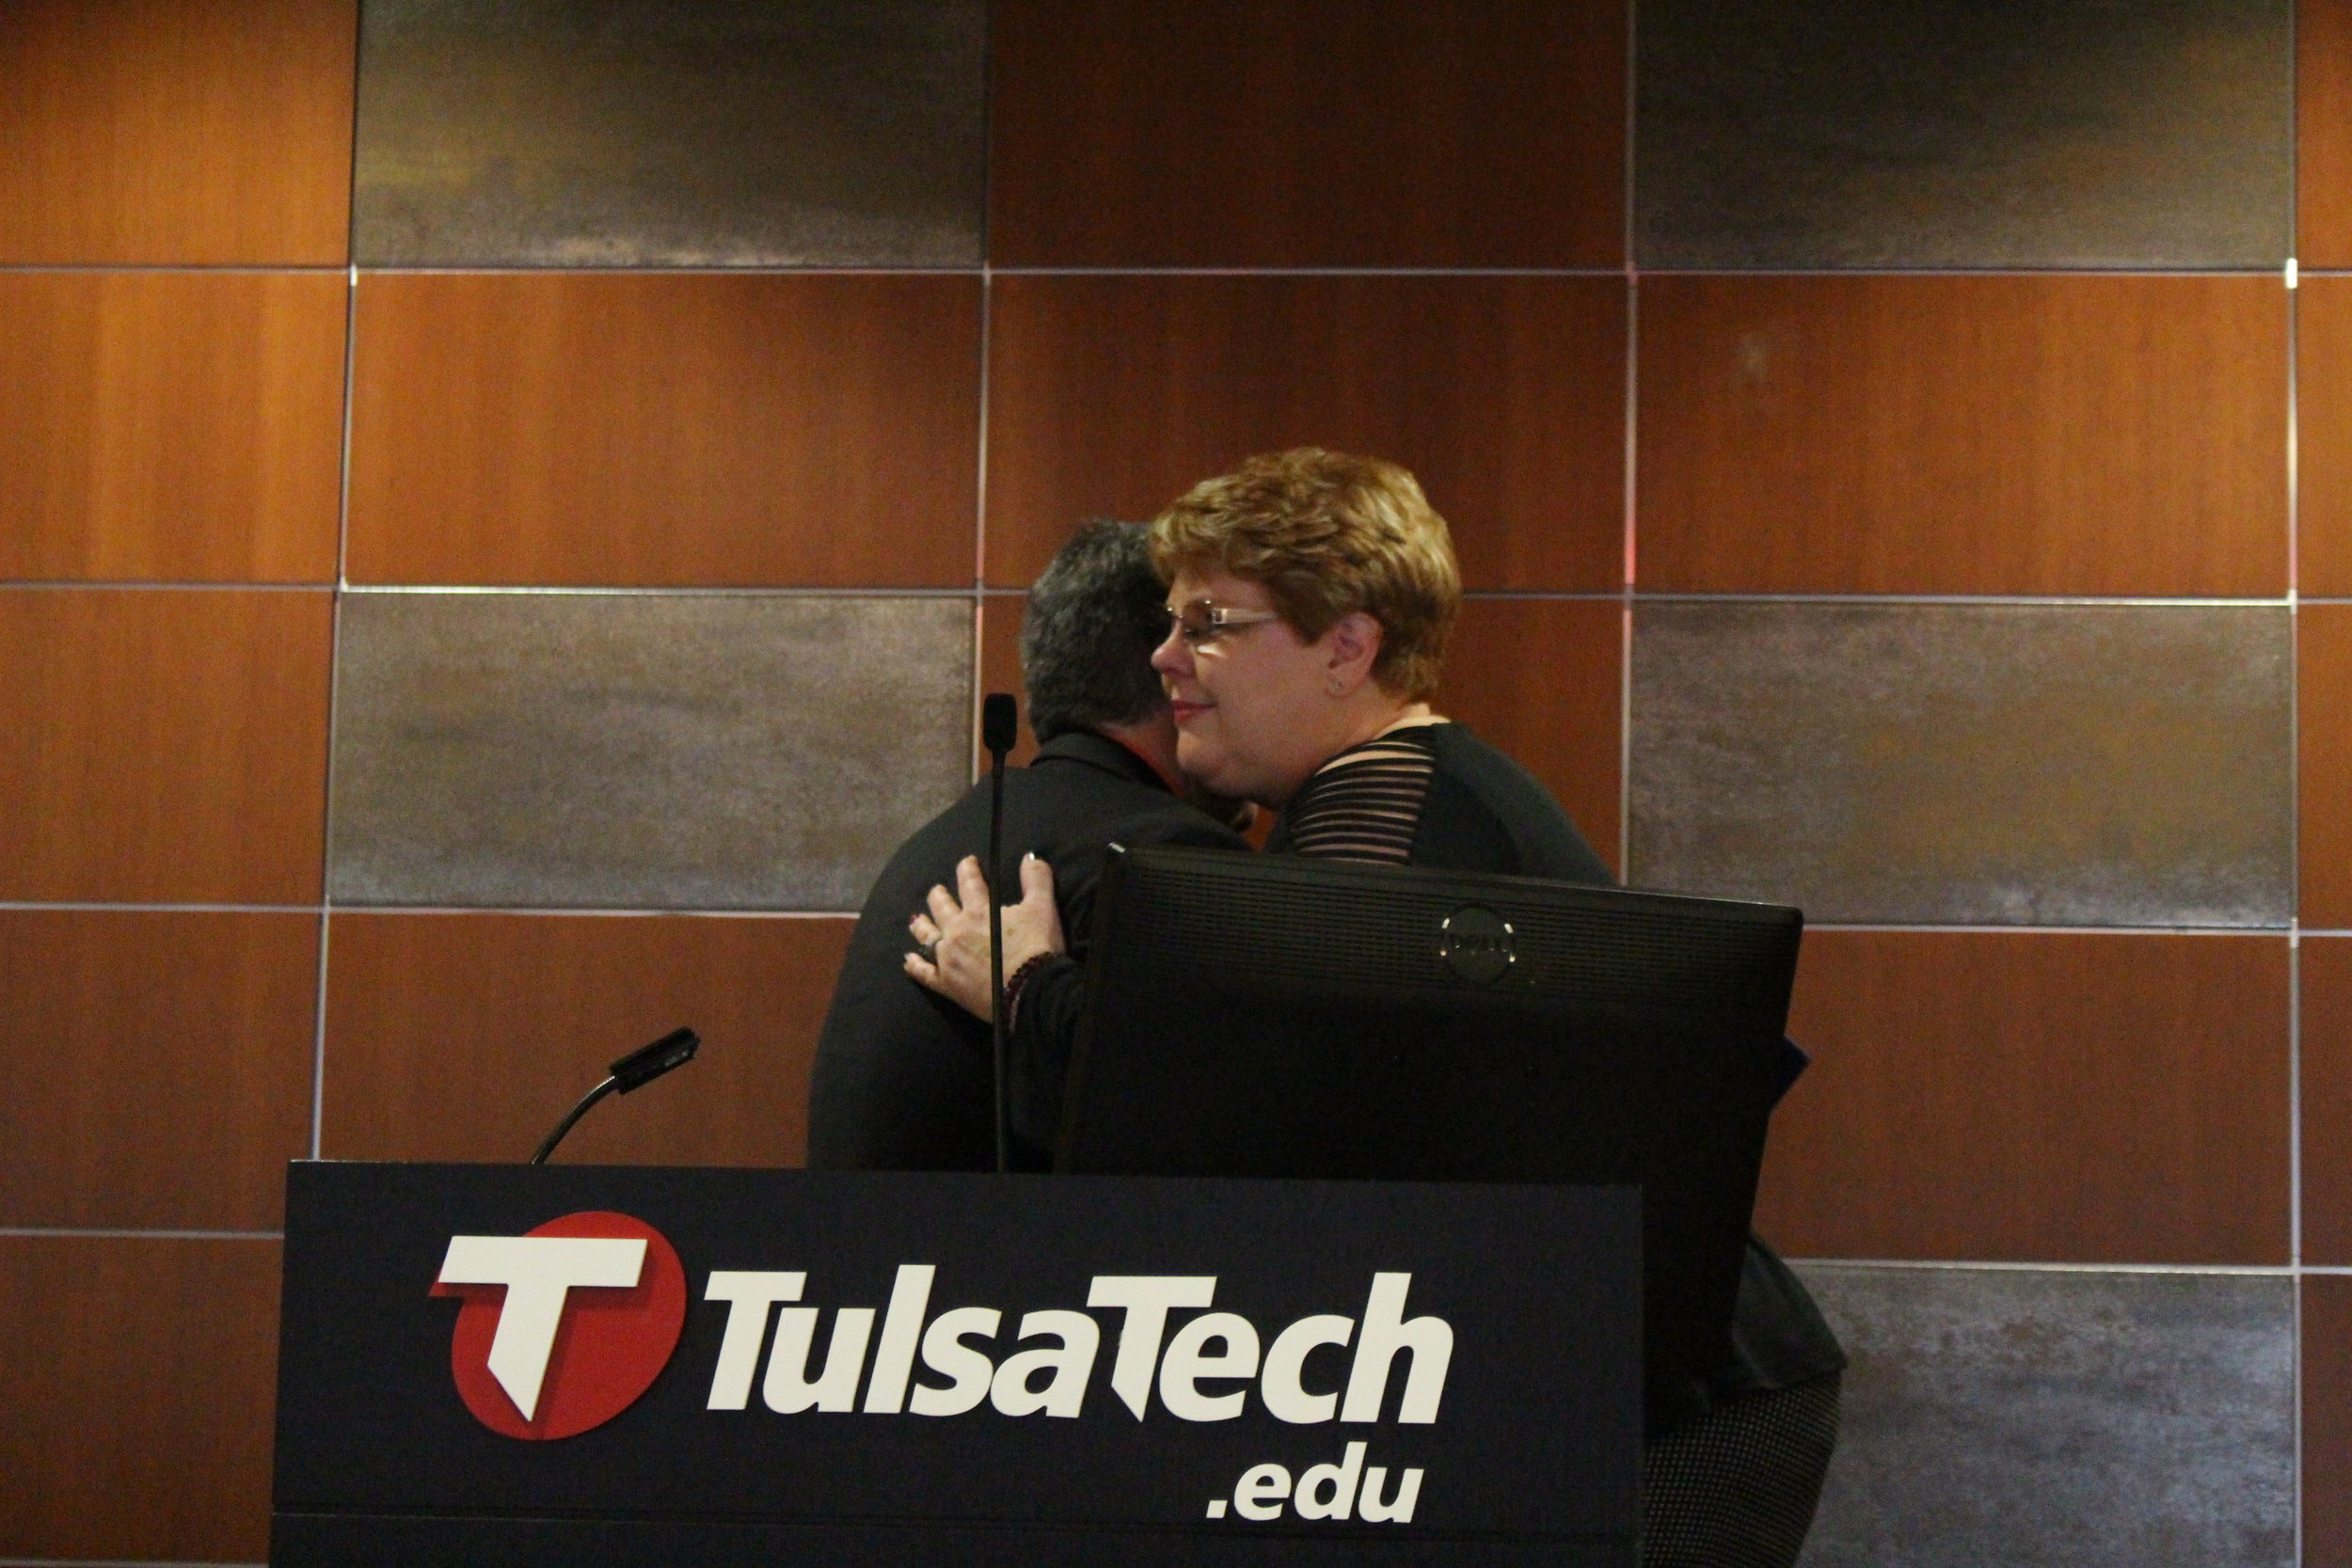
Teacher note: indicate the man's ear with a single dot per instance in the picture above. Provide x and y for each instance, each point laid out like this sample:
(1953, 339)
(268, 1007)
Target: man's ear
(1354, 643)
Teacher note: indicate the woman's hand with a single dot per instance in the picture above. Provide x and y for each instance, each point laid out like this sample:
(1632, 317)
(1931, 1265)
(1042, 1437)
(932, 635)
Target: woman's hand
(955, 933)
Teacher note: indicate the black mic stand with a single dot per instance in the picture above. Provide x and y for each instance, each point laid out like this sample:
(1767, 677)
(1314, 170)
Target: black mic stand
(633, 1072)
(1000, 726)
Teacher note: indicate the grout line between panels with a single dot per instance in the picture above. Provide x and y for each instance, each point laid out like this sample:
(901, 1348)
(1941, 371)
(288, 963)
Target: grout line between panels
(2250, 269)
(979, 518)
(640, 591)
(90, 906)
(863, 269)
(1627, 197)
(121, 1232)
(334, 693)
(2294, 748)
(1307, 271)
(2273, 932)
(965, 591)
(143, 585)
(1631, 458)
(115, 1563)
(659, 911)
(2247, 1270)
(616, 913)
(2052, 601)
(1632, 127)
(261, 269)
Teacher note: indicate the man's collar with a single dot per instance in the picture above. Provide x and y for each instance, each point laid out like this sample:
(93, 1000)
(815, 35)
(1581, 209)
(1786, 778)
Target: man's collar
(1100, 750)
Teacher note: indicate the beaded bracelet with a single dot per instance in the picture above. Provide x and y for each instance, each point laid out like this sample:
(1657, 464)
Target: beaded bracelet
(1017, 979)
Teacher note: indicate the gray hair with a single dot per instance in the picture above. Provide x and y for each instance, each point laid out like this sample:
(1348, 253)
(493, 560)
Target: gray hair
(1094, 616)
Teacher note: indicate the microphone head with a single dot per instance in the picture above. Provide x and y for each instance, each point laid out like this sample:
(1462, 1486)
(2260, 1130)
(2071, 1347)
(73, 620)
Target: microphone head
(1000, 722)
(648, 1062)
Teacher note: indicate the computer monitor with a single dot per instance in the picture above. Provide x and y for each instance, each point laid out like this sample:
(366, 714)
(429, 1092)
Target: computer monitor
(1282, 1017)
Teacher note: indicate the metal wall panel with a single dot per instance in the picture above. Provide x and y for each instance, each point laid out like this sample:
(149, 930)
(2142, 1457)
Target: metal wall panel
(641, 751)
(424, 1063)
(2055, 764)
(634, 132)
(1962, 133)
(2073, 1418)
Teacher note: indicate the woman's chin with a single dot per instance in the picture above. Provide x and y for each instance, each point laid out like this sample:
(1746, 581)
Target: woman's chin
(1206, 766)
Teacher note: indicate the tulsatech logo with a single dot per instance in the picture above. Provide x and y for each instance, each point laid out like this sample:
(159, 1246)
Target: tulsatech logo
(565, 1326)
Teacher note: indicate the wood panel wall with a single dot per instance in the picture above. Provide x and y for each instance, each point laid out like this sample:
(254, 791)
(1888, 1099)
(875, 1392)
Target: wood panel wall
(1208, 229)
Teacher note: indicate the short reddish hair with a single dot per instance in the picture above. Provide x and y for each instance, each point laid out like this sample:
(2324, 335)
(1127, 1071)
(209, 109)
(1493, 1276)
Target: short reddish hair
(1327, 533)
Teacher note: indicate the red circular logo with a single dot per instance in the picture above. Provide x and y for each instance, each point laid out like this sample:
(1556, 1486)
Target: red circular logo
(609, 1342)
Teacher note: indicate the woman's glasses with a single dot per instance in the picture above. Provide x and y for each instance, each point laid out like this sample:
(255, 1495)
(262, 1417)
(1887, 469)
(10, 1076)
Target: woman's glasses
(1204, 620)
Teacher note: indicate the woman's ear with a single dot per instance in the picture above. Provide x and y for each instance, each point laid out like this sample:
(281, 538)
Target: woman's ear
(1354, 643)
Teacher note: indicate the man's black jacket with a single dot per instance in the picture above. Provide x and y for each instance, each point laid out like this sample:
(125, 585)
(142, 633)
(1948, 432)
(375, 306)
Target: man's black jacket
(902, 1078)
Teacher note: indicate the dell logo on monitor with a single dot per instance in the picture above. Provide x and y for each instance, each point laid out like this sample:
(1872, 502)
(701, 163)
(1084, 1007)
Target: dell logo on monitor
(1477, 943)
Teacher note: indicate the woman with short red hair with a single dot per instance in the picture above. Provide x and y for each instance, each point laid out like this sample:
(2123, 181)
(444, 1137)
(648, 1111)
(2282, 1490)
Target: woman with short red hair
(1309, 597)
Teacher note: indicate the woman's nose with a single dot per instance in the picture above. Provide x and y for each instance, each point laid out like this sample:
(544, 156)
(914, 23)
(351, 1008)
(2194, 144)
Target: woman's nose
(1173, 656)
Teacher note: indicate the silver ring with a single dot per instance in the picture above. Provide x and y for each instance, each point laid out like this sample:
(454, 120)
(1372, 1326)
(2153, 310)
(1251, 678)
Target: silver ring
(930, 951)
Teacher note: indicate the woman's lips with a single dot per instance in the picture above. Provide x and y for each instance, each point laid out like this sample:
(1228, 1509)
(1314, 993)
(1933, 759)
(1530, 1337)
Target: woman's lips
(1182, 710)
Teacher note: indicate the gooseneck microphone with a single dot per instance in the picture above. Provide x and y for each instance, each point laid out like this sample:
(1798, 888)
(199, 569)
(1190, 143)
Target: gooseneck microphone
(1000, 726)
(633, 1072)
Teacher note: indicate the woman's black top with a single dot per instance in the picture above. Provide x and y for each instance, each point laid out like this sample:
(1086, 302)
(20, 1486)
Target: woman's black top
(1436, 795)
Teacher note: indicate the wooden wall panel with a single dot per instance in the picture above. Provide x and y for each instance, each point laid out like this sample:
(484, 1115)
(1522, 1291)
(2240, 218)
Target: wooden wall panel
(150, 132)
(2323, 698)
(665, 429)
(138, 1386)
(2326, 1434)
(164, 1072)
(466, 1036)
(2323, 418)
(1543, 680)
(2019, 435)
(1505, 396)
(2043, 1096)
(163, 745)
(2322, 146)
(2326, 1062)
(1308, 133)
(171, 425)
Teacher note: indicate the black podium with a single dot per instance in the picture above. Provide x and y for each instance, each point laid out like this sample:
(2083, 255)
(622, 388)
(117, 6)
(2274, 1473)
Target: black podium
(628, 1366)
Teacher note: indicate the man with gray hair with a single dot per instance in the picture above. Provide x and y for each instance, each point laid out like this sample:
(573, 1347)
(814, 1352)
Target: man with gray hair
(903, 1078)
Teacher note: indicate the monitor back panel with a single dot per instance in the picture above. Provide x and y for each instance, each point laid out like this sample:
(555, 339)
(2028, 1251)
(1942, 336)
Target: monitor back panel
(1290, 1018)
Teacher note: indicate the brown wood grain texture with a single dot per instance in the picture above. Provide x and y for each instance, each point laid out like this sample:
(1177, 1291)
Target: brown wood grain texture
(2036, 1096)
(2323, 776)
(466, 1036)
(1994, 435)
(1505, 396)
(2325, 977)
(171, 426)
(676, 429)
(165, 1076)
(1308, 133)
(189, 131)
(2323, 142)
(1542, 679)
(137, 1393)
(2322, 421)
(163, 745)
(2327, 1427)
